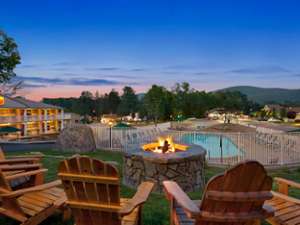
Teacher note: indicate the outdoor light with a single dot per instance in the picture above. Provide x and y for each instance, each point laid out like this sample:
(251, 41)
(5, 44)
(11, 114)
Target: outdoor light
(2, 101)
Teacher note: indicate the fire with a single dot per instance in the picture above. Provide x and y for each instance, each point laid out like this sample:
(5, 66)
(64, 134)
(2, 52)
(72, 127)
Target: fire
(164, 145)
(2, 100)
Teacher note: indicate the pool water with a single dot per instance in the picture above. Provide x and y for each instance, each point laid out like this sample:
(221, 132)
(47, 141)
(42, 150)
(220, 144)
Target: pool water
(216, 146)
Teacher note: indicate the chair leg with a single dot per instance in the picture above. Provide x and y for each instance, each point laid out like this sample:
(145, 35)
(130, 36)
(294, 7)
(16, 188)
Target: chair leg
(67, 213)
(257, 222)
(172, 211)
(140, 222)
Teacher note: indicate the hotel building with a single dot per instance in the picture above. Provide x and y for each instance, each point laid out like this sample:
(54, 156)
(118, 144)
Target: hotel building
(31, 118)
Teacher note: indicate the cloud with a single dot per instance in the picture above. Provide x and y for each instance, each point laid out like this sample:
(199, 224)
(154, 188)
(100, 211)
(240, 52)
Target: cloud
(34, 81)
(119, 76)
(92, 82)
(261, 70)
(138, 70)
(59, 69)
(70, 74)
(102, 68)
(114, 69)
(103, 75)
(201, 73)
(295, 75)
(25, 66)
(39, 79)
(180, 67)
(26, 85)
(64, 63)
(170, 72)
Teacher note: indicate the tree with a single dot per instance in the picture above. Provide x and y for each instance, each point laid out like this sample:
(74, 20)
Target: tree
(86, 94)
(283, 112)
(158, 103)
(291, 114)
(85, 104)
(129, 102)
(114, 100)
(9, 57)
(155, 103)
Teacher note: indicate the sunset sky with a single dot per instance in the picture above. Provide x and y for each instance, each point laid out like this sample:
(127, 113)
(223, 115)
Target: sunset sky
(71, 46)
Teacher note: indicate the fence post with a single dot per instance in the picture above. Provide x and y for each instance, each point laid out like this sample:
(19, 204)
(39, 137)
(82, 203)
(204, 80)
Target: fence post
(239, 155)
(281, 149)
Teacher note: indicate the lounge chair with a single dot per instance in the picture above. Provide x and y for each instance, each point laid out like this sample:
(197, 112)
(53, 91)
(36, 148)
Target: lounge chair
(19, 159)
(93, 193)
(235, 197)
(287, 208)
(30, 206)
(19, 164)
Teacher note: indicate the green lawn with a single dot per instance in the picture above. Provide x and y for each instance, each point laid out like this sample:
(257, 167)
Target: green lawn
(156, 210)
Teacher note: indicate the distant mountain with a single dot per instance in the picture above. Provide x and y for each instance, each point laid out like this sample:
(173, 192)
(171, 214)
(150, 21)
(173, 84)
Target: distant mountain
(268, 95)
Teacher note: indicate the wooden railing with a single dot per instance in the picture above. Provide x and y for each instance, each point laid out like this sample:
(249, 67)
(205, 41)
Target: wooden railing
(20, 119)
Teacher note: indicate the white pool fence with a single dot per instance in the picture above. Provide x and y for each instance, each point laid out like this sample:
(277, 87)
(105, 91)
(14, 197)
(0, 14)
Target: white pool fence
(271, 149)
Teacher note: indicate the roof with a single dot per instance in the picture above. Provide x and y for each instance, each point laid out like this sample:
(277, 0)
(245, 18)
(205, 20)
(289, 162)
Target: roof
(294, 109)
(10, 103)
(273, 107)
(23, 103)
(9, 129)
(113, 116)
(122, 125)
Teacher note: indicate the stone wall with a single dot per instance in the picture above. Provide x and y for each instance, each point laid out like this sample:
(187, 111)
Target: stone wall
(187, 171)
(76, 138)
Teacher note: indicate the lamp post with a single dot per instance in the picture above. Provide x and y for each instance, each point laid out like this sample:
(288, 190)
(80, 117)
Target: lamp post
(110, 134)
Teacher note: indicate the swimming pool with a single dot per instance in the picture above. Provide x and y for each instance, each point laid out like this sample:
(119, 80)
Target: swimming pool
(217, 146)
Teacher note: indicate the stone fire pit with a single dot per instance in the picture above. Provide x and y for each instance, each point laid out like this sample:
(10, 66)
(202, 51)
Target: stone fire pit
(184, 167)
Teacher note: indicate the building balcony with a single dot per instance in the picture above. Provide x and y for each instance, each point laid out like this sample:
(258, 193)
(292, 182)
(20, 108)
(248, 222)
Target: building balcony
(22, 119)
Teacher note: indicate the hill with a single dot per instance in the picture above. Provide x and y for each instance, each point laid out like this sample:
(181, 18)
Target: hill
(268, 95)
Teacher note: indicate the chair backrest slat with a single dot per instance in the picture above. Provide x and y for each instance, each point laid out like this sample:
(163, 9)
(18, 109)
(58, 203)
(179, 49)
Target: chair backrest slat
(9, 204)
(240, 191)
(238, 196)
(2, 155)
(93, 190)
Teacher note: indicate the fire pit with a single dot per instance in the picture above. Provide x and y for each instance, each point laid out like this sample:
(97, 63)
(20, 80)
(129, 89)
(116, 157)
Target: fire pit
(164, 145)
(165, 160)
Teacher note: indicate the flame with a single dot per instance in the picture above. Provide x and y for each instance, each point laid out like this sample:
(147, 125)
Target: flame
(2, 100)
(157, 147)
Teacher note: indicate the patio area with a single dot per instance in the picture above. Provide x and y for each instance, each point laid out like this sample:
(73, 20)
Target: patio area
(156, 210)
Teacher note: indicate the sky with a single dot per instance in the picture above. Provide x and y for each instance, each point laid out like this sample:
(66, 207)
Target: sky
(68, 46)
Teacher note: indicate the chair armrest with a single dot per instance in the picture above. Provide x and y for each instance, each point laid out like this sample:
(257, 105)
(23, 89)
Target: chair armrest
(284, 184)
(31, 189)
(20, 167)
(38, 156)
(29, 173)
(138, 199)
(286, 197)
(19, 160)
(173, 191)
(291, 183)
(268, 211)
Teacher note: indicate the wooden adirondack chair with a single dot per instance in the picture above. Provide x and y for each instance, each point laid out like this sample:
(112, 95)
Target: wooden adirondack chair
(20, 159)
(287, 208)
(19, 164)
(32, 205)
(23, 181)
(235, 197)
(93, 192)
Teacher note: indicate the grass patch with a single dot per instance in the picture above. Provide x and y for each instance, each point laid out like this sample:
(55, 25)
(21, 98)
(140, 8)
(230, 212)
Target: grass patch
(156, 210)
